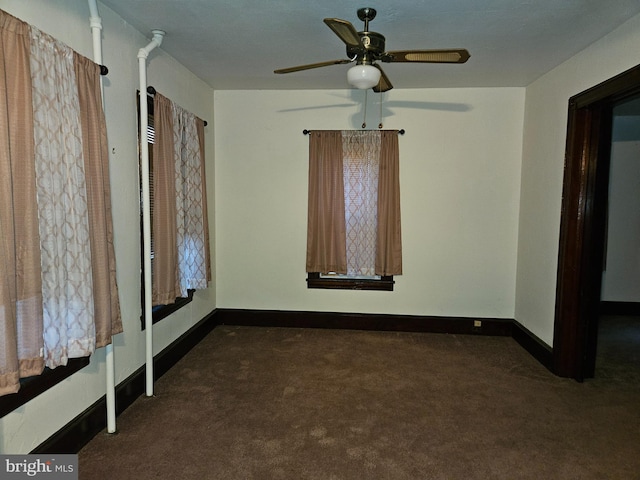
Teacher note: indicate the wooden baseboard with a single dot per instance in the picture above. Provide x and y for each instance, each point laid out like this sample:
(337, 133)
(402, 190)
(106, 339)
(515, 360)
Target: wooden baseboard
(77, 433)
(397, 323)
(620, 308)
(365, 321)
(532, 344)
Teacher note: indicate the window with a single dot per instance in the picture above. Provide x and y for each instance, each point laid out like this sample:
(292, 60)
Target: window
(161, 309)
(58, 293)
(353, 237)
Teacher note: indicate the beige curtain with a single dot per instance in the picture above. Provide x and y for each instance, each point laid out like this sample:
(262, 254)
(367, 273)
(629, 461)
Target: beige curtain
(326, 232)
(108, 319)
(20, 291)
(58, 296)
(180, 227)
(165, 279)
(205, 215)
(389, 241)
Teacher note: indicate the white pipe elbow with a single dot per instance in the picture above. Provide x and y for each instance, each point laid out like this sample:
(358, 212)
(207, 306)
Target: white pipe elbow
(158, 35)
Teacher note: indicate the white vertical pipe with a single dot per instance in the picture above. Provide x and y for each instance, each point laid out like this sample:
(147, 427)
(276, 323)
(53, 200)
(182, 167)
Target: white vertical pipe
(146, 212)
(96, 29)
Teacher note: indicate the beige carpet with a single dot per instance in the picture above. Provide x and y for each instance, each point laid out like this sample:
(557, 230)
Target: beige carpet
(280, 403)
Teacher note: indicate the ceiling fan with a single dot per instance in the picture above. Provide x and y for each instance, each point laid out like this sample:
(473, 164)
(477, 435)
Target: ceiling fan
(368, 48)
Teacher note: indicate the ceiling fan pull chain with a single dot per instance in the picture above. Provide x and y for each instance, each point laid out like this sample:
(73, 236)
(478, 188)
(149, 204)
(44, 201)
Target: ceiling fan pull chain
(364, 118)
(380, 124)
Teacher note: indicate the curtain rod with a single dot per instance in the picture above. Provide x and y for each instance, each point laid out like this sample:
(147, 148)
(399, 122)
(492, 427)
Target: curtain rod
(103, 70)
(152, 91)
(307, 132)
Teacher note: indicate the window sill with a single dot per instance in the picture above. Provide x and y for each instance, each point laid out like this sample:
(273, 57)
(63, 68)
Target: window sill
(162, 311)
(31, 387)
(314, 280)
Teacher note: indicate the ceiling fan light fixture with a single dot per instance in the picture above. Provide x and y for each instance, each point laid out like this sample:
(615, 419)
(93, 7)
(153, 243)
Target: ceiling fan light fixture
(363, 76)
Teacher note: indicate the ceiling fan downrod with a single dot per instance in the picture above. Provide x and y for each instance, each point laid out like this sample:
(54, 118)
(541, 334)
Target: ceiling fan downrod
(366, 15)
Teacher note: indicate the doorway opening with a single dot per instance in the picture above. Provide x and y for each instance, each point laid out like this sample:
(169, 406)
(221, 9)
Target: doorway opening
(618, 343)
(584, 221)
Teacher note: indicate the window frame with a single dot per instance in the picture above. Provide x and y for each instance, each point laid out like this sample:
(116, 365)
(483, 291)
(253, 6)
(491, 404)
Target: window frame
(159, 312)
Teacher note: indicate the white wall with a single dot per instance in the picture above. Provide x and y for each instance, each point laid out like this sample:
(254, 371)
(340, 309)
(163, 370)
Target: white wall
(621, 277)
(459, 180)
(68, 20)
(545, 129)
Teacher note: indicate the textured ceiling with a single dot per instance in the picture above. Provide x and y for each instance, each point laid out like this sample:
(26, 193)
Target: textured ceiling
(236, 44)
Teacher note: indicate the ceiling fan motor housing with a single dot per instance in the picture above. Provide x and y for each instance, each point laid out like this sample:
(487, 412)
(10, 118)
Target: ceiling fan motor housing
(374, 45)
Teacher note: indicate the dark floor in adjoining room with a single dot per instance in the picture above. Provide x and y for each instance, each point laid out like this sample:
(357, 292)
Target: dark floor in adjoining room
(618, 352)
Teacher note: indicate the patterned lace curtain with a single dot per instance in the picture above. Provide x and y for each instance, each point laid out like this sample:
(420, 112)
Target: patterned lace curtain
(67, 285)
(181, 232)
(361, 167)
(58, 295)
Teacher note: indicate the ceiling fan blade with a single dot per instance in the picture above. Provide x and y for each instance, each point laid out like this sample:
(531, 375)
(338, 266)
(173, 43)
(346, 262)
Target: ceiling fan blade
(346, 31)
(384, 84)
(312, 65)
(427, 56)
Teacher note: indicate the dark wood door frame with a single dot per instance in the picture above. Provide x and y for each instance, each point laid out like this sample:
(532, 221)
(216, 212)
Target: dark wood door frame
(582, 227)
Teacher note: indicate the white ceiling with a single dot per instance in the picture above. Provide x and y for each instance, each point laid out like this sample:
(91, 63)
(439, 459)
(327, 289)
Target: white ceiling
(236, 44)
